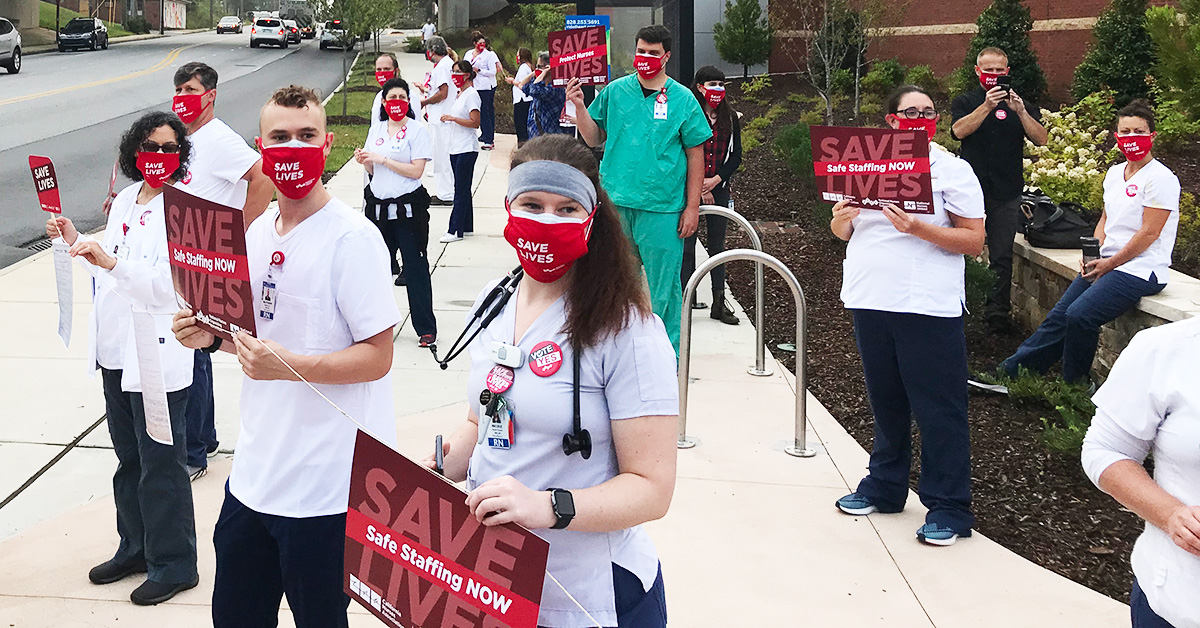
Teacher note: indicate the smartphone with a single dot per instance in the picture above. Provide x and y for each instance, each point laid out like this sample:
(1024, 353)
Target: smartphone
(1005, 81)
(440, 462)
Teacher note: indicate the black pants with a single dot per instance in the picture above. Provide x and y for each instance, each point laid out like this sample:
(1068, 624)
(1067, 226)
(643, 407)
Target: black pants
(201, 417)
(521, 121)
(717, 226)
(487, 116)
(916, 365)
(411, 236)
(151, 488)
(462, 216)
(1003, 217)
(381, 222)
(261, 557)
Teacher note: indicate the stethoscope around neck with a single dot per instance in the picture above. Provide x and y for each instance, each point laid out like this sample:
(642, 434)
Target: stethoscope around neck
(578, 440)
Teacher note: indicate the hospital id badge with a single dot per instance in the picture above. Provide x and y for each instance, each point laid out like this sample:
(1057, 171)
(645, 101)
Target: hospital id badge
(660, 110)
(500, 430)
(268, 300)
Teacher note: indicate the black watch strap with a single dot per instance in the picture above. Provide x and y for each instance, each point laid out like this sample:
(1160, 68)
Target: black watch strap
(563, 504)
(214, 347)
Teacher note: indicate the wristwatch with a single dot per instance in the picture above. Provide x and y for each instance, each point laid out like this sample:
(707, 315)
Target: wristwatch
(564, 507)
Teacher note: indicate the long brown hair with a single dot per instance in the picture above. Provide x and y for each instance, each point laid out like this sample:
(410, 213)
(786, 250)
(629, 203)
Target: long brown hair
(606, 283)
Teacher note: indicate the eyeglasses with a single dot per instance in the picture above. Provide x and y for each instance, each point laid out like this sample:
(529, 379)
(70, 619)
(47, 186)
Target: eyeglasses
(151, 147)
(912, 113)
(715, 84)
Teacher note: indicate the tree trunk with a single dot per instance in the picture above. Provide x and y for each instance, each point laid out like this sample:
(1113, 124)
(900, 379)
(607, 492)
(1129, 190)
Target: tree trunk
(344, 86)
(857, 74)
(745, 71)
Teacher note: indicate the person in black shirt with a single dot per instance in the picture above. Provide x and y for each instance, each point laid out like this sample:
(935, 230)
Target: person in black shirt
(992, 122)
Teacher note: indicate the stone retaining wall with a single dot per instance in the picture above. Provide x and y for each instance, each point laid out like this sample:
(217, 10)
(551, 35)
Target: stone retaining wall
(1041, 276)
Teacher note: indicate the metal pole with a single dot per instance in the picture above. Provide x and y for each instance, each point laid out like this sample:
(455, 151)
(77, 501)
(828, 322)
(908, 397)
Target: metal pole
(162, 15)
(799, 446)
(760, 343)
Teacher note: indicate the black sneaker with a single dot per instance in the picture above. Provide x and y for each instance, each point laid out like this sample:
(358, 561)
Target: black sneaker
(400, 280)
(151, 593)
(111, 571)
(437, 201)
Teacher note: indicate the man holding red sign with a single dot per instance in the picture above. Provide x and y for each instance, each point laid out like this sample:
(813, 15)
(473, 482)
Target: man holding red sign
(579, 53)
(325, 314)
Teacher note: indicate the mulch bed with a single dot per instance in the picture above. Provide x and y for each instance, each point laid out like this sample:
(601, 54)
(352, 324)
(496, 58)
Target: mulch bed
(348, 120)
(1034, 501)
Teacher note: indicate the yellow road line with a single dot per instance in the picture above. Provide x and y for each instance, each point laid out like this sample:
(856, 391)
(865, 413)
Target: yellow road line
(166, 61)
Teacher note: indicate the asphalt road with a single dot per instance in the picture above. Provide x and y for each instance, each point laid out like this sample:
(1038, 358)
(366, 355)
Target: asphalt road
(73, 107)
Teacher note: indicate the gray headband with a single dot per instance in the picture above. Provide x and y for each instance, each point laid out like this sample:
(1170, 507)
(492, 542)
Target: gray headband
(554, 177)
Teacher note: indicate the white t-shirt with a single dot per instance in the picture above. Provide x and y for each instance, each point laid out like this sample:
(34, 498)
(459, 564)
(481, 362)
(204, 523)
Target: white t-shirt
(141, 279)
(411, 144)
(627, 376)
(427, 31)
(485, 64)
(333, 290)
(1151, 404)
(518, 93)
(461, 139)
(220, 158)
(441, 76)
(1124, 204)
(891, 271)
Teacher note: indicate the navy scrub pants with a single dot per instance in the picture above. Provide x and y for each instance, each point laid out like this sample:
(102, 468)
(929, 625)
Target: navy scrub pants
(1071, 330)
(916, 366)
(462, 216)
(1140, 613)
(261, 557)
(201, 415)
(151, 488)
(487, 116)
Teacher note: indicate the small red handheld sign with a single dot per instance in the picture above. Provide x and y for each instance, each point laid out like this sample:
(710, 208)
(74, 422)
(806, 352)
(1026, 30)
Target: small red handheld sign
(46, 183)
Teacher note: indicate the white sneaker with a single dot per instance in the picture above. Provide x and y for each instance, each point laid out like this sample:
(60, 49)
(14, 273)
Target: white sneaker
(449, 237)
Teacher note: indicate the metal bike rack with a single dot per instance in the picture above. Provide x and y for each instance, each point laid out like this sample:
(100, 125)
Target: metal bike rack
(799, 446)
(760, 343)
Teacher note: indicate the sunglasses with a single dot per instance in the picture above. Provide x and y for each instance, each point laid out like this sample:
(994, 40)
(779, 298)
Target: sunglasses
(912, 113)
(151, 147)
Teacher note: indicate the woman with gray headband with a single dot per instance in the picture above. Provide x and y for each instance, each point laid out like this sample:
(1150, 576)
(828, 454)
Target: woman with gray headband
(573, 401)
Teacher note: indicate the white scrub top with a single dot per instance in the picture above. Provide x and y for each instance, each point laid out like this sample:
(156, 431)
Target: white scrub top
(626, 376)
(220, 158)
(1125, 203)
(411, 145)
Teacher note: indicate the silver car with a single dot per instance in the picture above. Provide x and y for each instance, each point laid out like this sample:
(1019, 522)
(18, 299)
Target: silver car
(268, 30)
(10, 46)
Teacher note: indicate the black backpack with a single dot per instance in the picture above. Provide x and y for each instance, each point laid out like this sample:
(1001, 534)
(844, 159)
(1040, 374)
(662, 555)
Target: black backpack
(1051, 225)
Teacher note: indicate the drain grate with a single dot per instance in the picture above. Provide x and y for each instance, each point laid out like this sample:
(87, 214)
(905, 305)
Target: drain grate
(39, 245)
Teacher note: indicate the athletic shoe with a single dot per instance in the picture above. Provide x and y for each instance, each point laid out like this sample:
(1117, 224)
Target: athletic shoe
(195, 473)
(989, 382)
(151, 593)
(936, 534)
(856, 504)
(212, 451)
(111, 571)
(487, 146)
(698, 305)
(400, 280)
(426, 341)
(449, 237)
(434, 200)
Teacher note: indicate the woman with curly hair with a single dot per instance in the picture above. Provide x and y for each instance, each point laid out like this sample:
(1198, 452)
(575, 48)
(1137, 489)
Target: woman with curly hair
(151, 487)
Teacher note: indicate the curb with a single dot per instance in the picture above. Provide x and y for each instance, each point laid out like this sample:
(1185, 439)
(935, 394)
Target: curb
(44, 48)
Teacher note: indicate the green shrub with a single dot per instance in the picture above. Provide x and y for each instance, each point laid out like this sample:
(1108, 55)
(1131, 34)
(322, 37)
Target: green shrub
(752, 130)
(1187, 240)
(943, 137)
(979, 279)
(1072, 403)
(1121, 56)
(922, 76)
(1006, 25)
(756, 85)
(843, 82)
(744, 38)
(414, 44)
(884, 76)
(1072, 164)
(1177, 45)
(1171, 120)
(137, 25)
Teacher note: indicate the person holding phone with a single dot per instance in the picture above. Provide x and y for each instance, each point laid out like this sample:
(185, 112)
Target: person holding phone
(903, 282)
(521, 100)
(992, 121)
(548, 101)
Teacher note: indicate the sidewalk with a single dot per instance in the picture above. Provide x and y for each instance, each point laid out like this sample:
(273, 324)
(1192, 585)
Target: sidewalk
(752, 537)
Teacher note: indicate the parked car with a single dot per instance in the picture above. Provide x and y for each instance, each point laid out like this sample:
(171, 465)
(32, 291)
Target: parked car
(293, 31)
(334, 35)
(308, 31)
(83, 32)
(10, 46)
(268, 31)
(229, 24)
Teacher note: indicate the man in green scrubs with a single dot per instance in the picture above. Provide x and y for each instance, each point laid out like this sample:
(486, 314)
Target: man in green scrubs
(653, 132)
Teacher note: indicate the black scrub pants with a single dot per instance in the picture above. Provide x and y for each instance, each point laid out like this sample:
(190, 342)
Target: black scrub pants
(411, 236)
(916, 366)
(382, 223)
(717, 227)
(151, 487)
(261, 557)
(1003, 218)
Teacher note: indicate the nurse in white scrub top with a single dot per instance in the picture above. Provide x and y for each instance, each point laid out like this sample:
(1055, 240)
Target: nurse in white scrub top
(581, 297)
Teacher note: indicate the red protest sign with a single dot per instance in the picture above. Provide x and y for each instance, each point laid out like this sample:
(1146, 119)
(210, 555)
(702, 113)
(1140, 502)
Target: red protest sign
(207, 246)
(580, 53)
(416, 555)
(46, 183)
(870, 167)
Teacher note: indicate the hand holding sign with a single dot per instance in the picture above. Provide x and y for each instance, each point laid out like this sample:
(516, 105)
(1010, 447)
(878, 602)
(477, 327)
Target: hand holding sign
(188, 331)
(580, 53)
(873, 167)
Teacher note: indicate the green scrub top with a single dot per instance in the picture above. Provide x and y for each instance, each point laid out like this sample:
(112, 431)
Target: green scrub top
(645, 166)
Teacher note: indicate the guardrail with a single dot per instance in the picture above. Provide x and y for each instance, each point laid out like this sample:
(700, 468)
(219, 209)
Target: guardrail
(799, 446)
(760, 343)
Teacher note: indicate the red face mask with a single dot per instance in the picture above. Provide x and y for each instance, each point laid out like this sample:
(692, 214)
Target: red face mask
(294, 166)
(714, 95)
(930, 126)
(429, 55)
(547, 245)
(481, 46)
(187, 106)
(383, 76)
(157, 168)
(989, 80)
(1135, 147)
(396, 108)
(648, 66)
(460, 80)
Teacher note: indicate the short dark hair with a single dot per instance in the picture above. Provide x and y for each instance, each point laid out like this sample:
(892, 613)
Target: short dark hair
(893, 101)
(132, 139)
(1139, 108)
(395, 62)
(464, 67)
(199, 71)
(389, 86)
(655, 34)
